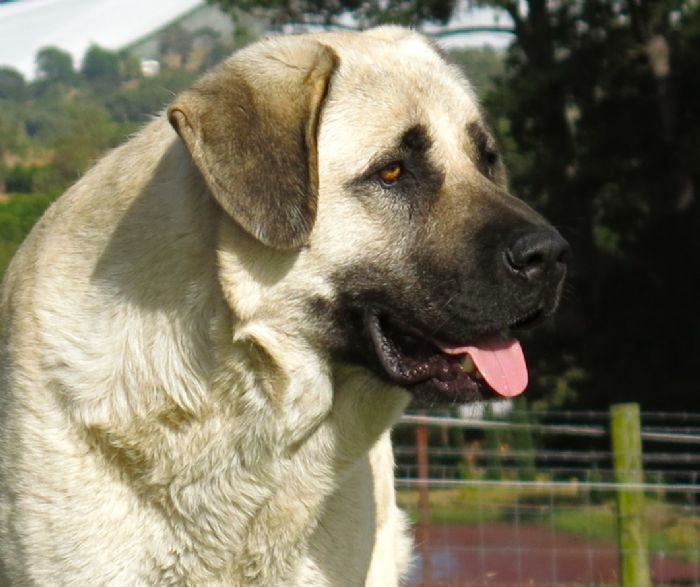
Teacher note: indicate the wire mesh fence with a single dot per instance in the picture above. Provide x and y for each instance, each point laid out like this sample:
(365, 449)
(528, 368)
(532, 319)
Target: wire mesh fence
(536, 500)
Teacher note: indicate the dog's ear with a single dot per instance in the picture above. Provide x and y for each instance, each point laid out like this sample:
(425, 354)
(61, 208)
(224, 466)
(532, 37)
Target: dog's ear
(251, 129)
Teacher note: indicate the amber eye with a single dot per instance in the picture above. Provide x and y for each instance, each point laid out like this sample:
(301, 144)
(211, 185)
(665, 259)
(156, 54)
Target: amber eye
(391, 173)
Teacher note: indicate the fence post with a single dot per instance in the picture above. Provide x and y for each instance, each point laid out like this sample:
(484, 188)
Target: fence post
(423, 474)
(627, 460)
(423, 529)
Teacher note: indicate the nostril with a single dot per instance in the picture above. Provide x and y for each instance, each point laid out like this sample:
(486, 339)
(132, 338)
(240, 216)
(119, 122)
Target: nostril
(534, 259)
(564, 255)
(520, 261)
(535, 253)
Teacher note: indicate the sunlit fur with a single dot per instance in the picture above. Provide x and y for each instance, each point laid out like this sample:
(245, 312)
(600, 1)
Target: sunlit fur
(169, 415)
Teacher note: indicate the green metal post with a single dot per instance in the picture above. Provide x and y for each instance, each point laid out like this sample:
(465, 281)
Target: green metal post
(627, 460)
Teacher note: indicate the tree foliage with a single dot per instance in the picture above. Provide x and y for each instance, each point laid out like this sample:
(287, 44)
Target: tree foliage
(100, 66)
(12, 84)
(600, 96)
(55, 66)
(16, 220)
(483, 66)
(53, 128)
(280, 12)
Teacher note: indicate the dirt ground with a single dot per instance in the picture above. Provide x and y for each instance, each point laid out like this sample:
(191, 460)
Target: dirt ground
(499, 555)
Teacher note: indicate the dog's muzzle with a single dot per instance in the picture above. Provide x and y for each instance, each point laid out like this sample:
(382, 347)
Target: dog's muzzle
(445, 363)
(537, 256)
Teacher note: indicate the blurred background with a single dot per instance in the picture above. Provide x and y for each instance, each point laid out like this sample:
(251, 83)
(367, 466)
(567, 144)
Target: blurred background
(596, 105)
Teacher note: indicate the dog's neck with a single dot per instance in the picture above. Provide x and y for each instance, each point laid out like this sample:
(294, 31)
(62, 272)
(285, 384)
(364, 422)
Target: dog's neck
(280, 411)
(280, 408)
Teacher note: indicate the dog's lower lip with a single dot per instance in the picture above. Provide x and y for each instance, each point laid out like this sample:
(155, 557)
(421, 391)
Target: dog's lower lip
(529, 320)
(389, 357)
(435, 372)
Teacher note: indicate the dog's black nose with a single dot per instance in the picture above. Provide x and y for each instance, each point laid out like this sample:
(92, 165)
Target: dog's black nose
(535, 254)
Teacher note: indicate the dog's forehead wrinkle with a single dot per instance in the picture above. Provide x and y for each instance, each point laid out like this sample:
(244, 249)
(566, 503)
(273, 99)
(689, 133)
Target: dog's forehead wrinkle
(413, 141)
(479, 134)
(449, 145)
(416, 138)
(392, 121)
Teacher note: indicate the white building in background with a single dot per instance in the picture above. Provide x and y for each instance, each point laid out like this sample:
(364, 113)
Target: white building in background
(73, 25)
(150, 67)
(26, 26)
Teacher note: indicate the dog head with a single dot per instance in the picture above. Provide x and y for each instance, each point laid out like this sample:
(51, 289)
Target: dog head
(375, 215)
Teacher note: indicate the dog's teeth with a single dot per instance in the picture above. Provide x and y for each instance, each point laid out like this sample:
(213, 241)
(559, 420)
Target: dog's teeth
(468, 364)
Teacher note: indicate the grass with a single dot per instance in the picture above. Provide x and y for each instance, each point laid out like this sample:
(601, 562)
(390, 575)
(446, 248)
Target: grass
(18, 213)
(593, 522)
(671, 529)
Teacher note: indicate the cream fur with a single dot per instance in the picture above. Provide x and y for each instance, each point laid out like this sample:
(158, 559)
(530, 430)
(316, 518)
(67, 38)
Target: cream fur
(166, 417)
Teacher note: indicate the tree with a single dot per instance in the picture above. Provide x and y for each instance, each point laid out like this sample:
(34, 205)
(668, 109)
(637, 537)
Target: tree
(523, 441)
(176, 40)
(13, 136)
(12, 84)
(129, 66)
(138, 104)
(600, 96)
(82, 132)
(494, 439)
(279, 12)
(483, 67)
(16, 220)
(55, 66)
(100, 66)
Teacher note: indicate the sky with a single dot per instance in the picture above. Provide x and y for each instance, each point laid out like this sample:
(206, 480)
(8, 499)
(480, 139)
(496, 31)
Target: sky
(73, 25)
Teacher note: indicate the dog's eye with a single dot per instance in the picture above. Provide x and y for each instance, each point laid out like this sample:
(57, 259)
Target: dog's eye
(391, 173)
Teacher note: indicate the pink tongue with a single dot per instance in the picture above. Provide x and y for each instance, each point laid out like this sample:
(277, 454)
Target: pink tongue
(500, 361)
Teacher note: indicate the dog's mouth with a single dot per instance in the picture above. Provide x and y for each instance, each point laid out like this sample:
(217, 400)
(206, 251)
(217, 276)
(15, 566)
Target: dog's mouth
(445, 372)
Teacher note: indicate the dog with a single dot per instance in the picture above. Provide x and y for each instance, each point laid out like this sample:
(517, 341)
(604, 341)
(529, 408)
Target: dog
(206, 340)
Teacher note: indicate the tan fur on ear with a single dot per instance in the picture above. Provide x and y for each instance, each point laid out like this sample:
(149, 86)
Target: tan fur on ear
(251, 127)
